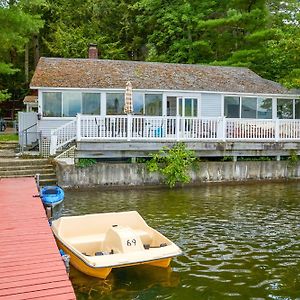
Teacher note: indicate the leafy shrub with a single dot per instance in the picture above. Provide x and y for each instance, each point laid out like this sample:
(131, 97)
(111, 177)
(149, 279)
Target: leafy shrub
(85, 162)
(293, 158)
(173, 163)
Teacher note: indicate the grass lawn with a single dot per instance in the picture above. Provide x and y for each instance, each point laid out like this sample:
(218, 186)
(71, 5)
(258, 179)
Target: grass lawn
(8, 137)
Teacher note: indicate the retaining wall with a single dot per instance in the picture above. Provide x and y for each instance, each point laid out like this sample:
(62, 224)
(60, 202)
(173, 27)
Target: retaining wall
(112, 174)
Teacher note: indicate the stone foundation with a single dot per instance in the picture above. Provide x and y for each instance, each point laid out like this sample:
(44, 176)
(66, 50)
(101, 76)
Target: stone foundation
(117, 174)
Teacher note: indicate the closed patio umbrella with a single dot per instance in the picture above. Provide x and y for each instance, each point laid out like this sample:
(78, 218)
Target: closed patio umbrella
(128, 107)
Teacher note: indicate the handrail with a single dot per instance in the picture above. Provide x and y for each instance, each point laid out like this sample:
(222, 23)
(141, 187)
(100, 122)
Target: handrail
(65, 154)
(29, 127)
(24, 133)
(62, 136)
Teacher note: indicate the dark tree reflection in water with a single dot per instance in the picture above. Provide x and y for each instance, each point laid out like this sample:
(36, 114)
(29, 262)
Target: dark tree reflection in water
(239, 242)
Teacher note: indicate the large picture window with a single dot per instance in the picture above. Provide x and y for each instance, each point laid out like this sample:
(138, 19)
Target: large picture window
(115, 103)
(248, 107)
(52, 104)
(153, 104)
(91, 103)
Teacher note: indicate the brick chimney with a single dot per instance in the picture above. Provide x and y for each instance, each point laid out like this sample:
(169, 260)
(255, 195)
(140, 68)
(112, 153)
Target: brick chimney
(93, 51)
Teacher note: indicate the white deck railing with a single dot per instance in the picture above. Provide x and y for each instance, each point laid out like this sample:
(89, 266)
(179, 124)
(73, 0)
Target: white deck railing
(62, 136)
(146, 128)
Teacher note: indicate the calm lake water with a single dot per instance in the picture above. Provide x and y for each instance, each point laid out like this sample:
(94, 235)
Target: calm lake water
(239, 242)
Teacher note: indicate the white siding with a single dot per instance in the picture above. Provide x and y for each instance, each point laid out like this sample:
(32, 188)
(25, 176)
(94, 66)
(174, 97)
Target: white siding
(211, 105)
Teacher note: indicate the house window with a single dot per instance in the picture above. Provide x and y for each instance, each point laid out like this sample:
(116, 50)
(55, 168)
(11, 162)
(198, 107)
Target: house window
(138, 103)
(153, 104)
(297, 109)
(249, 106)
(232, 107)
(264, 108)
(71, 104)
(190, 109)
(187, 107)
(114, 103)
(91, 103)
(285, 108)
(52, 104)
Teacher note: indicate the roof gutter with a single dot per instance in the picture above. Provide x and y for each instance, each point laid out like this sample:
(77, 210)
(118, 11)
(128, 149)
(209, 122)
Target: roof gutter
(168, 91)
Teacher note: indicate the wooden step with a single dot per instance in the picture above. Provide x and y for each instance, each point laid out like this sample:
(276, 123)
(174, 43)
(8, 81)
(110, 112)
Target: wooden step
(38, 168)
(4, 153)
(27, 173)
(19, 167)
(23, 162)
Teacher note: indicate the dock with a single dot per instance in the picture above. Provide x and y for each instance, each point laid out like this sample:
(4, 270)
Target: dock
(30, 264)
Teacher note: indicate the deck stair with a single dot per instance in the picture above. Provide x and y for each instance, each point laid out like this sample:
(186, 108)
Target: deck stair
(17, 167)
(11, 165)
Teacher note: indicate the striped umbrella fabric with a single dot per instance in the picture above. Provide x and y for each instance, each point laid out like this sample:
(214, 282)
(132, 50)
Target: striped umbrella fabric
(128, 107)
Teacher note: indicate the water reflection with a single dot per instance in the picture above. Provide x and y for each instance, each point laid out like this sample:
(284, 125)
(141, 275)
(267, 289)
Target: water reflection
(239, 242)
(123, 283)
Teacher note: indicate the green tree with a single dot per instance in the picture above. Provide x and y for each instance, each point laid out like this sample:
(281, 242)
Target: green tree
(273, 51)
(198, 31)
(18, 24)
(260, 34)
(73, 24)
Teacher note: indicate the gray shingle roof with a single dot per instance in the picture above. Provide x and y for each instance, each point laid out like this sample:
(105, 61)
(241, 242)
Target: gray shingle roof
(99, 73)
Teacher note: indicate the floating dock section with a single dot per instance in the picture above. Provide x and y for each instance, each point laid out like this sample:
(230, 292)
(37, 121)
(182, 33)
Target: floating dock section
(30, 264)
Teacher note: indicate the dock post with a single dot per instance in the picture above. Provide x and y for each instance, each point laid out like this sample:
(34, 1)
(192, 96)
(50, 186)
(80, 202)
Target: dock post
(49, 212)
(37, 180)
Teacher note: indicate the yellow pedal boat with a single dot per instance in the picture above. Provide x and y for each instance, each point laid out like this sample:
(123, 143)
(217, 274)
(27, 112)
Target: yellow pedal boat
(97, 243)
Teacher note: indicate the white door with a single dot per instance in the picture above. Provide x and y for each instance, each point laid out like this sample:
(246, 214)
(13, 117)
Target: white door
(182, 106)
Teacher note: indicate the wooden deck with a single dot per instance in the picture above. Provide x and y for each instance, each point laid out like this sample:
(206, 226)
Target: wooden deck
(30, 264)
(124, 136)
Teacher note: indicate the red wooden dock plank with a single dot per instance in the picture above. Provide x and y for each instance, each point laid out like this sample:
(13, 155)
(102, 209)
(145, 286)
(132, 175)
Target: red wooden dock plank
(33, 276)
(59, 297)
(22, 239)
(14, 221)
(26, 271)
(40, 294)
(28, 282)
(30, 264)
(21, 261)
(32, 288)
(16, 255)
(20, 232)
(25, 247)
(32, 267)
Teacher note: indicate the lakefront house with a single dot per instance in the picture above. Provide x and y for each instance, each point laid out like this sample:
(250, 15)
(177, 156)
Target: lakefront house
(217, 111)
